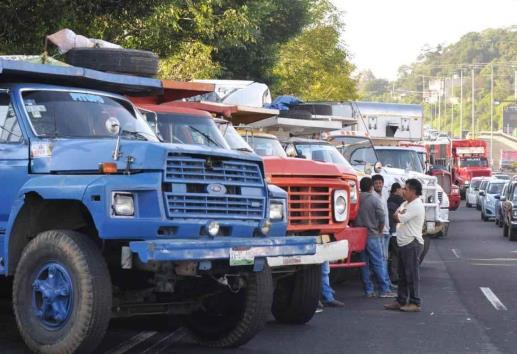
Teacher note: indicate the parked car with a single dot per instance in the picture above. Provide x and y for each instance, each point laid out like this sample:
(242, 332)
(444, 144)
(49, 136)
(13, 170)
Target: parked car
(494, 187)
(472, 191)
(498, 205)
(509, 210)
(501, 176)
(482, 188)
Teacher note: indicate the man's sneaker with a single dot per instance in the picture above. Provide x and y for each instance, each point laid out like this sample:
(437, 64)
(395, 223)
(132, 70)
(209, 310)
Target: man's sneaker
(394, 306)
(410, 308)
(319, 308)
(394, 287)
(389, 294)
(334, 303)
(371, 295)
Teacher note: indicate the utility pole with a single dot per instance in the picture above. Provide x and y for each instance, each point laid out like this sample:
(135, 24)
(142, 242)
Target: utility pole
(461, 103)
(473, 127)
(439, 111)
(452, 106)
(491, 114)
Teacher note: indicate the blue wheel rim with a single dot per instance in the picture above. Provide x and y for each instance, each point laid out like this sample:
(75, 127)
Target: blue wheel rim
(52, 295)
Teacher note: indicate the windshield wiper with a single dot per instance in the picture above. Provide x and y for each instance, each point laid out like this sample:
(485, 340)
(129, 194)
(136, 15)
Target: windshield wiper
(243, 149)
(208, 137)
(137, 135)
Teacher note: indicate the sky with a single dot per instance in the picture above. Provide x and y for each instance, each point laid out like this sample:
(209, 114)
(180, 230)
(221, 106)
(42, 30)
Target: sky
(382, 35)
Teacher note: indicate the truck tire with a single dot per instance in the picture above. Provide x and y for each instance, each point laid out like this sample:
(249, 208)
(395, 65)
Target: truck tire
(427, 243)
(116, 60)
(467, 204)
(230, 319)
(65, 269)
(296, 297)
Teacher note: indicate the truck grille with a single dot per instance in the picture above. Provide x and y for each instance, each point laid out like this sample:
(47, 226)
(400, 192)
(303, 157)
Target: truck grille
(202, 205)
(440, 197)
(309, 205)
(181, 168)
(241, 188)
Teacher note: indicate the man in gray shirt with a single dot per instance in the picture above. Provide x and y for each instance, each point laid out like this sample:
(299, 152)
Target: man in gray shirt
(371, 215)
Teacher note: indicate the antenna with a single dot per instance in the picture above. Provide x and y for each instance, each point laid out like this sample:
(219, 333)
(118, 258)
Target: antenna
(358, 111)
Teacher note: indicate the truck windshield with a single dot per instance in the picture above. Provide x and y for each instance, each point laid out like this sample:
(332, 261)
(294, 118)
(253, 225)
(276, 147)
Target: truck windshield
(495, 188)
(474, 162)
(356, 149)
(185, 129)
(322, 153)
(475, 183)
(232, 137)
(264, 146)
(398, 158)
(60, 114)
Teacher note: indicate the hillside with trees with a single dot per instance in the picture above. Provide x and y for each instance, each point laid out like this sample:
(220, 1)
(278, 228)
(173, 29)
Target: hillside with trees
(477, 52)
(228, 39)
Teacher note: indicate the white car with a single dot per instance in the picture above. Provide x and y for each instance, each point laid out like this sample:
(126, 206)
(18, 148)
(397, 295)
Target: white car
(471, 195)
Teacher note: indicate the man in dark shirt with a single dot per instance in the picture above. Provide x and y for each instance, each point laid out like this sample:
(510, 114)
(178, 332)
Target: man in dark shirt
(394, 201)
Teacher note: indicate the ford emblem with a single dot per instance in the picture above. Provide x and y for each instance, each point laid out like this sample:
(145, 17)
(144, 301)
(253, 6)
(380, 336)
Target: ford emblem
(216, 188)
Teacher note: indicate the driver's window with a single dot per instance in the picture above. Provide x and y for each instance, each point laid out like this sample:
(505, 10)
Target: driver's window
(9, 127)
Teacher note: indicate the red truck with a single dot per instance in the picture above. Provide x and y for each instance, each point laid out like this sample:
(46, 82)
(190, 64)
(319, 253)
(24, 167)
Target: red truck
(508, 160)
(464, 158)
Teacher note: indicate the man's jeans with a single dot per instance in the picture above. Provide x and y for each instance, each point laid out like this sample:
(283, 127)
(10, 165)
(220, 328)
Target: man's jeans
(409, 277)
(373, 255)
(327, 294)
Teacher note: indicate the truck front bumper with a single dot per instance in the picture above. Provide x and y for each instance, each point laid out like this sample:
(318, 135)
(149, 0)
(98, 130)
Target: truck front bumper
(326, 252)
(230, 248)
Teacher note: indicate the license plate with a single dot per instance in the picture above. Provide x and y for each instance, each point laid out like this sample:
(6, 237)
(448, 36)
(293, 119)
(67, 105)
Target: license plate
(241, 256)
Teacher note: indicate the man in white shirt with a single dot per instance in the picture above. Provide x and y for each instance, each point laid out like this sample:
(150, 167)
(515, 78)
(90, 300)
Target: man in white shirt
(410, 218)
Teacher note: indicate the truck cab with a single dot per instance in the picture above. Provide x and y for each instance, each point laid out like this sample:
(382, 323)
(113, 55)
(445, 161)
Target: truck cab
(100, 219)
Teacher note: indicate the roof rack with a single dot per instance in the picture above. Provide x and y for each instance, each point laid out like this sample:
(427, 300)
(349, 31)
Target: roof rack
(14, 71)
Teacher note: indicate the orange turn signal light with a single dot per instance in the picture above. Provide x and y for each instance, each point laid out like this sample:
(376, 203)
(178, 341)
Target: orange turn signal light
(108, 167)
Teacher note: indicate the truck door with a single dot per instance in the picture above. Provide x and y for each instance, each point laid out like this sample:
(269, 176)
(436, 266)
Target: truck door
(14, 161)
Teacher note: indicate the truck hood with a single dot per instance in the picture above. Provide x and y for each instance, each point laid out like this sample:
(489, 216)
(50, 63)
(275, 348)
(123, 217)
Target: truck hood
(289, 166)
(84, 155)
(478, 171)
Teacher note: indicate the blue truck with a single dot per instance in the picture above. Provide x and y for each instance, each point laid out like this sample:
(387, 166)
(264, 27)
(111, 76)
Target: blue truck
(99, 219)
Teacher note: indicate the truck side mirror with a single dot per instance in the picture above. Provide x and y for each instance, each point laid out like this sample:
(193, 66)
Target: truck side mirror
(377, 167)
(113, 125)
(290, 150)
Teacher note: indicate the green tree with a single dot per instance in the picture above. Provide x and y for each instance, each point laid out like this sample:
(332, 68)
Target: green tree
(314, 65)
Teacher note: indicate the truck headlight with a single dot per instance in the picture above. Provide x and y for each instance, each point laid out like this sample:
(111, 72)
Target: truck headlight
(276, 210)
(353, 192)
(122, 204)
(340, 205)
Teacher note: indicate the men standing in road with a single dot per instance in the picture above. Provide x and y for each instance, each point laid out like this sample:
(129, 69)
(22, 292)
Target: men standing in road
(410, 218)
(371, 215)
(382, 194)
(394, 202)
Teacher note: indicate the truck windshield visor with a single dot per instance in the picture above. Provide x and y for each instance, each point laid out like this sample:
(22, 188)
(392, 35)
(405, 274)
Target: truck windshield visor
(404, 159)
(69, 114)
(356, 150)
(322, 153)
(185, 129)
(265, 146)
(474, 162)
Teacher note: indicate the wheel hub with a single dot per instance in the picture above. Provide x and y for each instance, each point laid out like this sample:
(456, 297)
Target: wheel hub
(52, 295)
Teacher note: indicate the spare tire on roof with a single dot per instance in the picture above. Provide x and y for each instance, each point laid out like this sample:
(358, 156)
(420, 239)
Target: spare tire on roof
(116, 60)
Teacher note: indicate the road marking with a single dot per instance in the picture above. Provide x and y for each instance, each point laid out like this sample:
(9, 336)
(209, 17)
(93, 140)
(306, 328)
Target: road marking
(494, 300)
(456, 253)
(166, 341)
(130, 343)
(494, 259)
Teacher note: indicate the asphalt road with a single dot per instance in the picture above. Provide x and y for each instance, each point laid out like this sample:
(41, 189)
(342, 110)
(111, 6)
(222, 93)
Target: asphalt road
(469, 283)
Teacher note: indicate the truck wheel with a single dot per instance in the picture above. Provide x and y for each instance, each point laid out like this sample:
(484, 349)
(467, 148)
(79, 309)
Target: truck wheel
(427, 243)
(62, 293)
(117, 60)
(230, 319)
(468, 205)
(296, 297)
